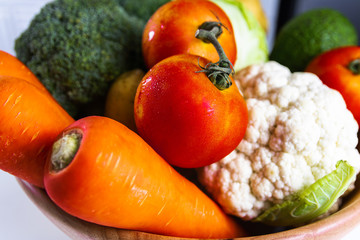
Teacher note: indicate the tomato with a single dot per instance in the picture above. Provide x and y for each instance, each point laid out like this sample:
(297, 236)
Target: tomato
(184, 116)
(172, 28)
(340, 69)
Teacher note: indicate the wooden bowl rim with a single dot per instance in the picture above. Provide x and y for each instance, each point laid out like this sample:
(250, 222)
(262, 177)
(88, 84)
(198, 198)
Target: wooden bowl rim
(332, 227)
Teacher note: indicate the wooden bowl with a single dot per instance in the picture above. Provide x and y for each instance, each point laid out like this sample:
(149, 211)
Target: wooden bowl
(333, 227)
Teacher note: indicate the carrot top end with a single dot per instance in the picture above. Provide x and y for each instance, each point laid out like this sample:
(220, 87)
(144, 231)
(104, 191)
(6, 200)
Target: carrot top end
(64, 150)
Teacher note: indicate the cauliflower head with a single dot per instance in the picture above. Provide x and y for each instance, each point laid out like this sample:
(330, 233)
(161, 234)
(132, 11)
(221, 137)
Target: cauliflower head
(298, 130)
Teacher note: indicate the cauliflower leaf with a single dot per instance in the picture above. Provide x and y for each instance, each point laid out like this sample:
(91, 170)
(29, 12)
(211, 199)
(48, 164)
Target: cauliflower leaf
(313, 201)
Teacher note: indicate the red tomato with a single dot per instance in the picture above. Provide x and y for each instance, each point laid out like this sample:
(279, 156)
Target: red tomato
(171, 30)
(184, 117)
(340, 69)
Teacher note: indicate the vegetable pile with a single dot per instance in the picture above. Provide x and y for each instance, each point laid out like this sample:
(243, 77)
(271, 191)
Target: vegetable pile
(110, 102)
(298, 130)
(119, 181)
(77, 48)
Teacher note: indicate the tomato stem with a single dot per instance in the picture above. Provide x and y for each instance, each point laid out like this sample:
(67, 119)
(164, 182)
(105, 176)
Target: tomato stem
(64, 150)
(218, 72)
(354, 66)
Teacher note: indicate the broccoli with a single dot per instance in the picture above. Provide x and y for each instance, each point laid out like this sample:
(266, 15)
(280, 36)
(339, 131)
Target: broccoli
(142, 8)
(77, 48)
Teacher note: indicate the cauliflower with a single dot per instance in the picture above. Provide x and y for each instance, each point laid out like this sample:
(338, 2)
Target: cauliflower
(298, 130)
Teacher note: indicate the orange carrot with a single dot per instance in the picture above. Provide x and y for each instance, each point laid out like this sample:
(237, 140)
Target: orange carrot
(102, 172)
(30, 119)
(11, 66)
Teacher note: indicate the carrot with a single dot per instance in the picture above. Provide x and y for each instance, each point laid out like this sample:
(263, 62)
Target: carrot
(102, 172)
(30, 120)
(11, 66)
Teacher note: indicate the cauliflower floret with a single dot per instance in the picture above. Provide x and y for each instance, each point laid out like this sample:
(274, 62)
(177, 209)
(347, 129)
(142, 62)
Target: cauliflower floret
(298, 130)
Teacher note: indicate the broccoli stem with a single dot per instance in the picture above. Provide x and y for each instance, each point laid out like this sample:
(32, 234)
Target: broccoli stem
(354, 66)
(64, 150)
(218, 72)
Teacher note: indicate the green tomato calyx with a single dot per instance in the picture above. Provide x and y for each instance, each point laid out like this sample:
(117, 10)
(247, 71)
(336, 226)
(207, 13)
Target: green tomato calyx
(354, 66)
(218, 72)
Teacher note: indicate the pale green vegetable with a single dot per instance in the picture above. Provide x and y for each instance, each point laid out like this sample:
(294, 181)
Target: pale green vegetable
(250, 37)
(312, 201)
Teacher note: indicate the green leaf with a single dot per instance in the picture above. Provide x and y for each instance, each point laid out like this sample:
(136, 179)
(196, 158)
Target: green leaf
(313, 201)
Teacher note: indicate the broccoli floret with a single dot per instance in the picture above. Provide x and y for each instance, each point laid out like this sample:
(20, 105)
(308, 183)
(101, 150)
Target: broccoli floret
(77, 48)
(142, 8)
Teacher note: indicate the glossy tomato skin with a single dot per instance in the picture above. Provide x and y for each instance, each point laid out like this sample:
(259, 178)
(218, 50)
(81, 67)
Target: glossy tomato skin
(171, 31)
(184, 117)
(332, 68)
